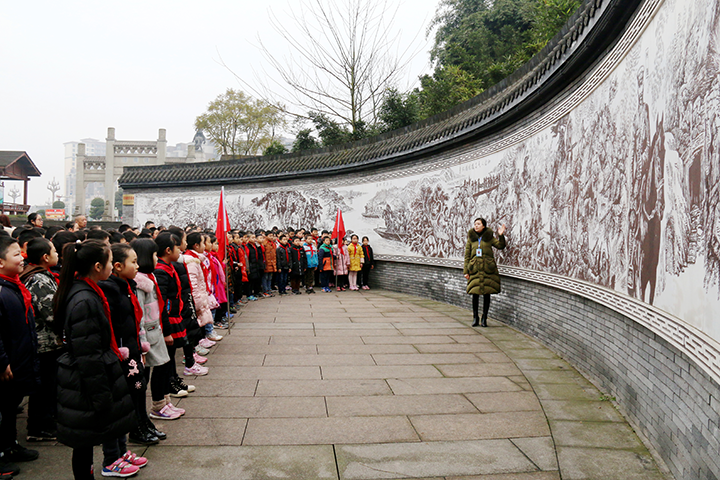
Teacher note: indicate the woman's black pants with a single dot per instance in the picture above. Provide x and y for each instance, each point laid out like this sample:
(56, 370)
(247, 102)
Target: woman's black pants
(476, 305)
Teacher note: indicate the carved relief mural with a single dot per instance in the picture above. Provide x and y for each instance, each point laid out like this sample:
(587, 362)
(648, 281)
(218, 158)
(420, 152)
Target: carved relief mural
(623, 191)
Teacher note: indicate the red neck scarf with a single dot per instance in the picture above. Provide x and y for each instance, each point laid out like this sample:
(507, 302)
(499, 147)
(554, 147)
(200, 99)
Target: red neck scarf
(287, 254)
(27, 296)
(173, 274)
(106, 310)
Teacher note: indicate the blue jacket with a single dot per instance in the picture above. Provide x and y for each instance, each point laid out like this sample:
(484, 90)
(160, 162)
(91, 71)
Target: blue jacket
(312, 255)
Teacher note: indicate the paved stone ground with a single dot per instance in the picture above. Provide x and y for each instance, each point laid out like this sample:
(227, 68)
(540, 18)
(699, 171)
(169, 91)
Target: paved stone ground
(379, 385)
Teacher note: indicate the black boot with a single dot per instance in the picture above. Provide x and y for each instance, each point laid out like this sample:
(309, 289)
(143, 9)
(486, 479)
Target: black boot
(142, 436)
(483, 322)
(476, 322)
(150, 426)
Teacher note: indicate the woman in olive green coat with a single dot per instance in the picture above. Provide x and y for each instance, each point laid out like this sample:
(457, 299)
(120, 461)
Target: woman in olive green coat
(480, 268)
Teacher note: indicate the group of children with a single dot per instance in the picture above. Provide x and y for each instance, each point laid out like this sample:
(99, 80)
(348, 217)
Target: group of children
(89, 319)
(263, 261)
(87, 324)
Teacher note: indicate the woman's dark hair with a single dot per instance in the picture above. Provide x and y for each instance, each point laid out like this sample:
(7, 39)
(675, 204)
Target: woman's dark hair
(167, 240)
(482, 220)
(52, 230)
(177, 231)
(101, 235)
(78, 258)
(32, 217)
(193, 239)
(145, 247)
(5, 221)
(120, 251)
(116, 237)
(4, 233)
(36, 248)
(61, 238)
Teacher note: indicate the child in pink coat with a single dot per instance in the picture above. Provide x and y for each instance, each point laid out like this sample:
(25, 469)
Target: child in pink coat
(198, 272)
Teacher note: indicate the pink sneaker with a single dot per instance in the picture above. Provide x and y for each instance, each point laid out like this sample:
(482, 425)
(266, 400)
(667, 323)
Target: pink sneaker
(180, 411)
(164, 414)
(133, 459)
(206, 343)
(196, 369)
(120, 468)
(199, 359)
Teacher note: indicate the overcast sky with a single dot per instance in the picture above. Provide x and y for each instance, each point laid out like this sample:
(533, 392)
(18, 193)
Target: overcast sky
(70, 69)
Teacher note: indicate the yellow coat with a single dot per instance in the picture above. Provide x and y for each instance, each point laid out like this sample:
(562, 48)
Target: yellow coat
(356, 256)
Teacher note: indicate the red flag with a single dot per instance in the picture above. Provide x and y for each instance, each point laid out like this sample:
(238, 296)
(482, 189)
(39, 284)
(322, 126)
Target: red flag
(339, 228)
(223, 226)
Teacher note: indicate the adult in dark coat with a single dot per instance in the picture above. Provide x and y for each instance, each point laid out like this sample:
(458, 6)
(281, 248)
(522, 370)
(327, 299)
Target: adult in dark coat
(94, 404)
(480, 269)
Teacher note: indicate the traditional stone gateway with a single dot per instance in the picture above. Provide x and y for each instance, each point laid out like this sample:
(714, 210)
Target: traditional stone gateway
(601, 155)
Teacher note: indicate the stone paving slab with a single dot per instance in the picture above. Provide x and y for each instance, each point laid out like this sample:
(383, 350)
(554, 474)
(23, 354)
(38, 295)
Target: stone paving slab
(309, 373)
(457, 348)
(336, 430)
(480, 426)
(426, 386)
(254, 407)
(365, 349)
(241, 463)
(380, 371)
(318, 360)
(321, 388)
(398, 405)
(479, 370)
(504, 401)
(429, 459)
(424, 358)
(378, 384)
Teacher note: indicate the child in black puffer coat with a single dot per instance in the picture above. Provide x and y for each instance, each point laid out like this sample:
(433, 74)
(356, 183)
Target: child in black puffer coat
(94, 404)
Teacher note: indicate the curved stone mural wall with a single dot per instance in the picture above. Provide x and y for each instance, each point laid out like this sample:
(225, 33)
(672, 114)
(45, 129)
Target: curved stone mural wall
(616, 182)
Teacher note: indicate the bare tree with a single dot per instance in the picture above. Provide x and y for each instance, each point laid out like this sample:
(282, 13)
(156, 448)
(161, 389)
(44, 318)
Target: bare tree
(345, 57)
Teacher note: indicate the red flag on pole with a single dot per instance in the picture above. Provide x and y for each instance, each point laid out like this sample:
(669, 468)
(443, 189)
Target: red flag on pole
(339, 228)
(223, 226)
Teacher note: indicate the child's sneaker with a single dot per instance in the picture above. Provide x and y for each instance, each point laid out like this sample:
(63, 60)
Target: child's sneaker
(133, 459)
(120, 468)
(206, 343)
(199, 359)
(177, 391)
(181, 383)
(214, 337)
(196, 369)
(219, 326)
(180, 411)
(164, 414)
(252, 298)
(201, 351)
